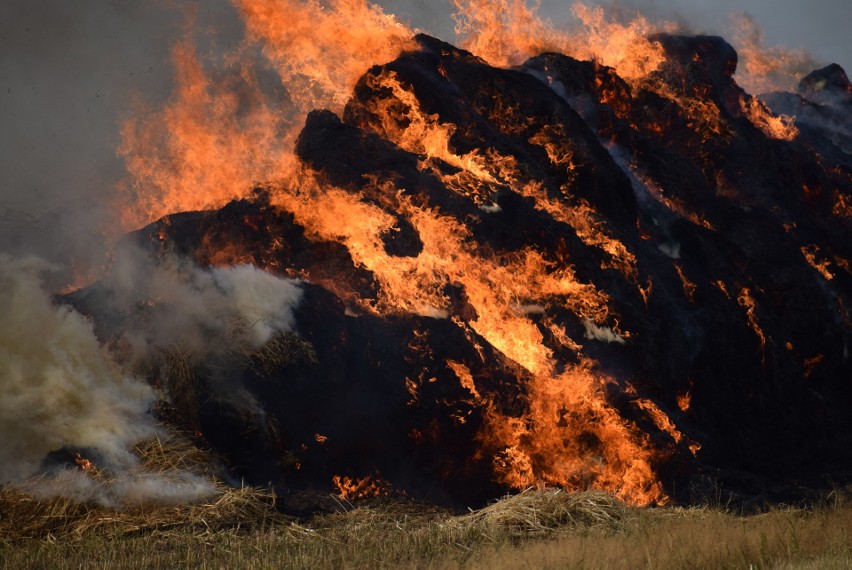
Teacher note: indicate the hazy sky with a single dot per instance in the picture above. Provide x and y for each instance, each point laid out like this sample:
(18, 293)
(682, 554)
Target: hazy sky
(69, 68)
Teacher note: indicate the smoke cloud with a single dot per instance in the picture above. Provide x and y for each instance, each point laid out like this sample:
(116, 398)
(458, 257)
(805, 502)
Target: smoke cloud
(174, 304)
(62, 389)
(59, 387)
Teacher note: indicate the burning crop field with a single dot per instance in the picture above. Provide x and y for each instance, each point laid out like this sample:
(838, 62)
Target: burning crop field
(590, 270)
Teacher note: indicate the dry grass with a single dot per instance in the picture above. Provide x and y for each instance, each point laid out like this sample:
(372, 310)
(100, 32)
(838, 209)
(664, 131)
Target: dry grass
(536, 529)
(696, 538)
(240, 528)
(540, 512)
(23, 516)
(176, 373)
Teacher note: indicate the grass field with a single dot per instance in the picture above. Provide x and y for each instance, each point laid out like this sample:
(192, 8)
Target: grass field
(548, 528)
(537, 529)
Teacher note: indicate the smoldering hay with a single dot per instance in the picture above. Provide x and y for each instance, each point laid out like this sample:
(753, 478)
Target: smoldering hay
(65, 390)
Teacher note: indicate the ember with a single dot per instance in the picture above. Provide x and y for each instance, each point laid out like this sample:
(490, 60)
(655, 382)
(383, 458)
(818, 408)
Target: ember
(353, 489)
(83, 463)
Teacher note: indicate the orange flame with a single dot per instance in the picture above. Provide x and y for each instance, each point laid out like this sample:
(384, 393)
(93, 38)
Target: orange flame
(842, 206)
(688, 286)
(684, 400)
(84, 463)
(810, 252)
(214, 139)
(352, 489)
(665, 424)
(507, 32)
(462, 372)
(811, 363)
(548, 445)
(206, 147)
(763, 68)
(774, 126)
(321, 51)
(747, 302)
(660, 419)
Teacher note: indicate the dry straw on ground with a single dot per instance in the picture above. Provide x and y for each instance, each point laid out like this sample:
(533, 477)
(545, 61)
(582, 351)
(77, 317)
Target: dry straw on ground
(529, 514)
(537, 528)
(24, 515)
(539, 512)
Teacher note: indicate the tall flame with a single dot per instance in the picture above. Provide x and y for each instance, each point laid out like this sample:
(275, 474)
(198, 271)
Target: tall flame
(208, 145)
(570, 436)
(216, 137)
(320, 50)
(507, 32)
(764, 68)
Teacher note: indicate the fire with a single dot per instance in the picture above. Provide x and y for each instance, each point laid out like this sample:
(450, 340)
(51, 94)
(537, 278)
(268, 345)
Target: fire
(672, 203)
(352, 489)
(567, 410)
(403, 122)
(774, 126)
(722, 287)
(209, 144)
(764, 68)
(465, 378)
(810, 252)
(508, 32)
(684, 401)
(321, 49)
(588, 225)
(842, 206)
(811, 363)
(747, 302)
(665, 424)
(688, 286)
(217, 137)
(84, 463)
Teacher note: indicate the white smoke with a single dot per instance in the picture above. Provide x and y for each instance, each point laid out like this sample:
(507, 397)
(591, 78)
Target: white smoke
(603, 334)
(62, 390)
(263, 301)
(59, 388)
(178, 305)
(133, 487)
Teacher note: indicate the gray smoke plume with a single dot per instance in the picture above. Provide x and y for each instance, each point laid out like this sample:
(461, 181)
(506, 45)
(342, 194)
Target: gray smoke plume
(59, 388)
(62, 390)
